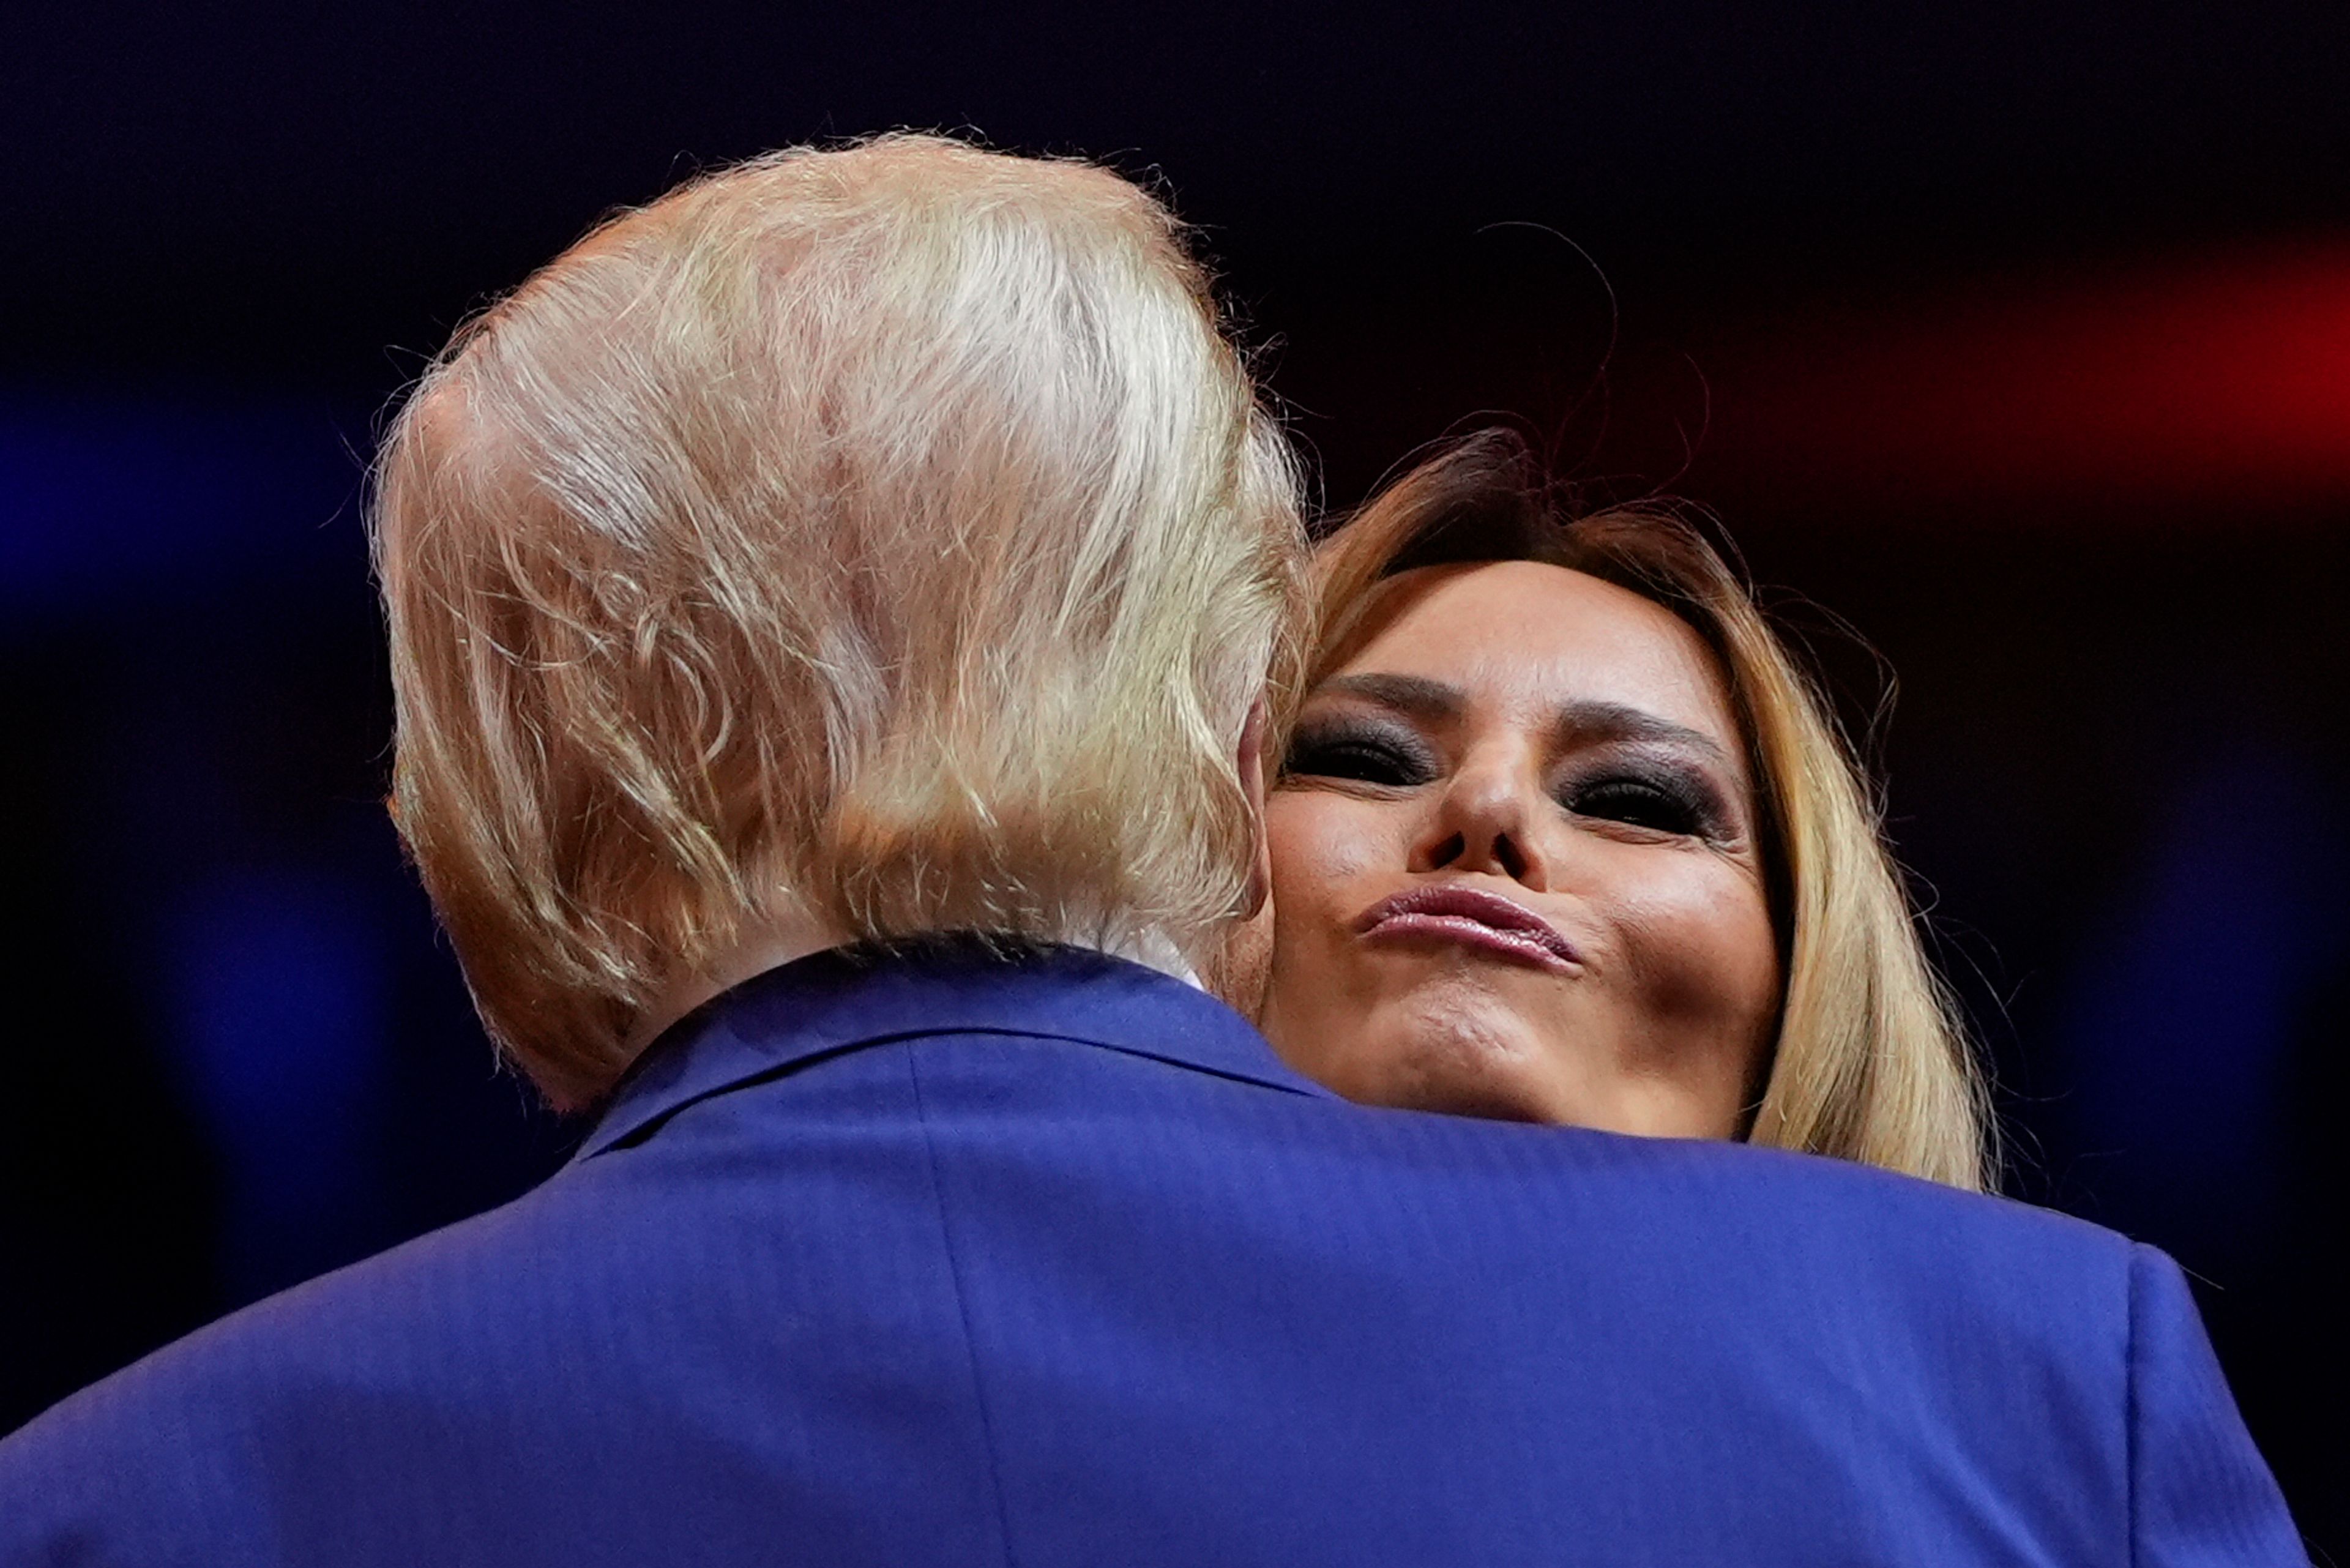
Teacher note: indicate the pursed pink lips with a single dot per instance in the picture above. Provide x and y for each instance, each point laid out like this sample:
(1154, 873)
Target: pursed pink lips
(1473, 918)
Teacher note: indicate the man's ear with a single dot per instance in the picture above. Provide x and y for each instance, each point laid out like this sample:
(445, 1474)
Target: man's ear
(1253, 772)
(1239, 965)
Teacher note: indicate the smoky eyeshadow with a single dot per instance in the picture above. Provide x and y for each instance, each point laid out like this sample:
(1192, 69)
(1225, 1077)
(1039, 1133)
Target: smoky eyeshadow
(1363, 748)
(1687, 792)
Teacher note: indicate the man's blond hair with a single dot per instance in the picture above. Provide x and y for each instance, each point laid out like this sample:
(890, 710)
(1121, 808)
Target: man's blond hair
(885, 536)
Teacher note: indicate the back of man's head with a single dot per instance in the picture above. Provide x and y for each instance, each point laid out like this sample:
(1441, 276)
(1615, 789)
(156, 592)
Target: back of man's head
(883, 537)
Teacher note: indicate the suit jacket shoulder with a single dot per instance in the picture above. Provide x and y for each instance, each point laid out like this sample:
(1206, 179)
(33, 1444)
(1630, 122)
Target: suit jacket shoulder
(941, 1261)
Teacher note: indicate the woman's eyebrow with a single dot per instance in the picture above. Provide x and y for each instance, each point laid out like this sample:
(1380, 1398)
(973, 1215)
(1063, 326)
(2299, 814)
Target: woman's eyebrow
(1582, 723)
(1426, 700)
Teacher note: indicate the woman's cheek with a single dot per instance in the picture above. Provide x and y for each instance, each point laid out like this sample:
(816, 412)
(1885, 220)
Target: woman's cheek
(1700, 946)
(1322, 845)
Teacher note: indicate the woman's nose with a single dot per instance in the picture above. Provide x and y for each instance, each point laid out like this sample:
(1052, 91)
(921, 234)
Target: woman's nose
(1486, 821)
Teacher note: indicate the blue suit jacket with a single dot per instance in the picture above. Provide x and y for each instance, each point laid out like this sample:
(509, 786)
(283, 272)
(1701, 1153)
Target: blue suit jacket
(935, 1261)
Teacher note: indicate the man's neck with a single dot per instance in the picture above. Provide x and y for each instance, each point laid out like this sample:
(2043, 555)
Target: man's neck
(1152, 950)
(770, 945)
(777, 943)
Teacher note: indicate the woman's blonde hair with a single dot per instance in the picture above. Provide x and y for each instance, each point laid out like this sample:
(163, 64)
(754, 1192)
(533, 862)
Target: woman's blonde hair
(885, 534)
(1871, 1062)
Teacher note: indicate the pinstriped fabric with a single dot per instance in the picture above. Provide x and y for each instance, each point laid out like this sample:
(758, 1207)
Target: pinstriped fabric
(934, 1260)
(962, 1312)
(2186, 1441)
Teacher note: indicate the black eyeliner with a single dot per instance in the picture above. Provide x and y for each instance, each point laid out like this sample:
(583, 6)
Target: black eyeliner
(1347, 747)
(1692, 793)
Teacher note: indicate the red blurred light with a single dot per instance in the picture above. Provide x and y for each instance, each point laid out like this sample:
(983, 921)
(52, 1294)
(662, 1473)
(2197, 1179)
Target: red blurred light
(2222, 381)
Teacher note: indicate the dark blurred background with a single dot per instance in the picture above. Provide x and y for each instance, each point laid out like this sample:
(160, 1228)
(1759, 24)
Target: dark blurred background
(2012, 342)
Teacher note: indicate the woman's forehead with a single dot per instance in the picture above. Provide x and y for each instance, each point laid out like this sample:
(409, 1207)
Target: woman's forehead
(1513, 636)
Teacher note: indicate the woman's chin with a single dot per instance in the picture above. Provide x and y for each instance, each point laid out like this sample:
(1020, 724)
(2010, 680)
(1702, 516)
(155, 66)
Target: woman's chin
(1421, 1030)
(1495, 1098)
(1467, 1051)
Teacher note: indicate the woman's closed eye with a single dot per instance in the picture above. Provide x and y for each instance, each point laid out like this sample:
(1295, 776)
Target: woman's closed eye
(1656, 804)
(1359, 754)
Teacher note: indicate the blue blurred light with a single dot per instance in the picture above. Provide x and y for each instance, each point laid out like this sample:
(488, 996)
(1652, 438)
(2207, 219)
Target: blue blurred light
(2180, 1021)
(279, 1004)
(102, 499)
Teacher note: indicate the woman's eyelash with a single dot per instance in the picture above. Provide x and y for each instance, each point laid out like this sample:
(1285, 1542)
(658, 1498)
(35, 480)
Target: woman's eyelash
(1660, 803)
(1364, 756)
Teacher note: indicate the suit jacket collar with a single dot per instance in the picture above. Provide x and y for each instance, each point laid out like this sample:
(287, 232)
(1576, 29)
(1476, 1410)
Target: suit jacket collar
(844, 998)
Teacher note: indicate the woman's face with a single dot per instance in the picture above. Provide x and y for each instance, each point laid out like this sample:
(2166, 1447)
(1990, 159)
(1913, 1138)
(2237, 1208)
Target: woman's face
(1514, 867)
